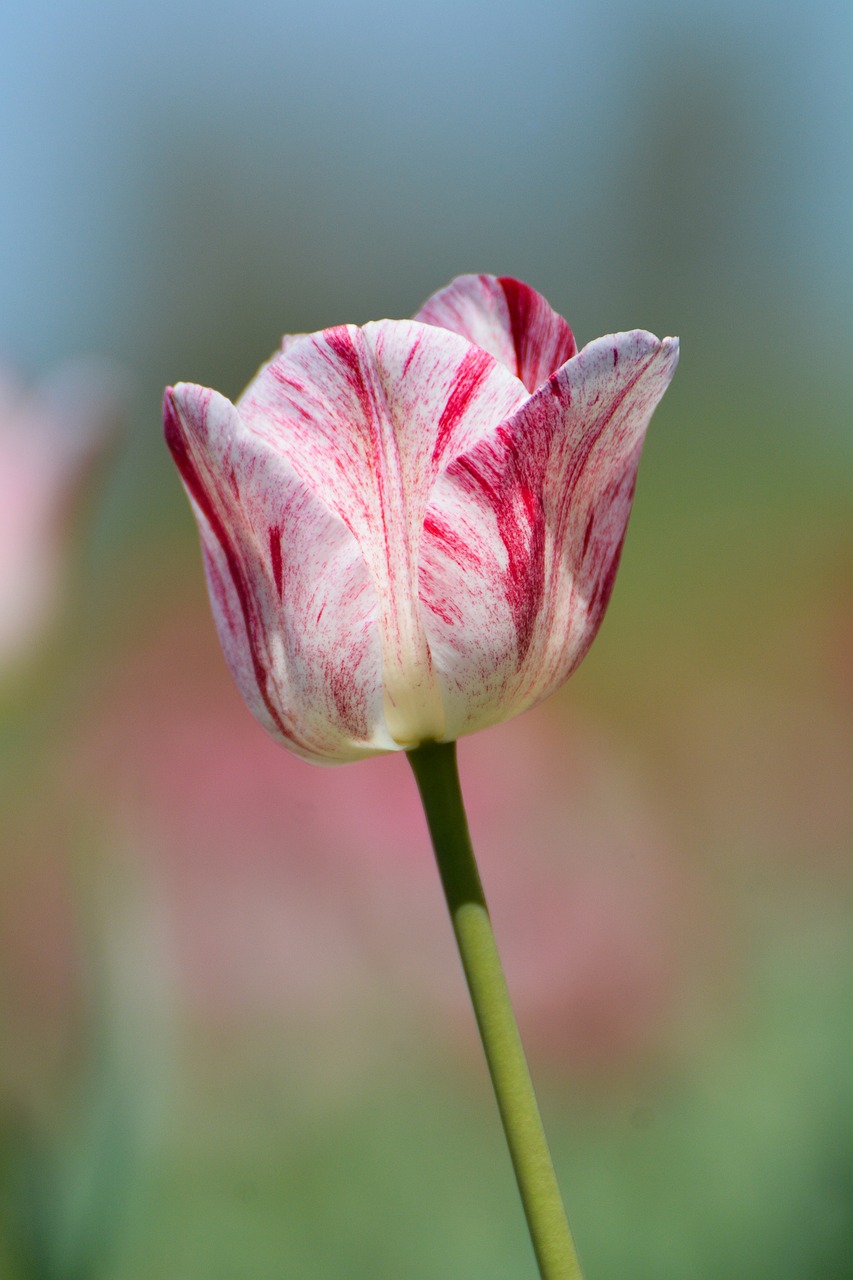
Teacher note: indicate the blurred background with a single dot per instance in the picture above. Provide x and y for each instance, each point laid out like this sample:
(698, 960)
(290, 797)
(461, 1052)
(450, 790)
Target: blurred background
(234, 1039)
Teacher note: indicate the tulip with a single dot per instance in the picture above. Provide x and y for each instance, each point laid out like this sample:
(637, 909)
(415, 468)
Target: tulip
(410, 532)
(411, 529)
(50, 438)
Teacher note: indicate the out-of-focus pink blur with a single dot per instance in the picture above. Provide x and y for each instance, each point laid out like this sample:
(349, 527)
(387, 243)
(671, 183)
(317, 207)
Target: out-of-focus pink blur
(49, 437)
(301, 892)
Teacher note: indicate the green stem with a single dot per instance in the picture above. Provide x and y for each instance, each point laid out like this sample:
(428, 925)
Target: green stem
(434, 766)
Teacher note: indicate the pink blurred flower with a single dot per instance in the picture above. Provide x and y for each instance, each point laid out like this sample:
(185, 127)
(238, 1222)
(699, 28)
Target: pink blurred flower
(411, 529)
(48, 438)
(296, 896)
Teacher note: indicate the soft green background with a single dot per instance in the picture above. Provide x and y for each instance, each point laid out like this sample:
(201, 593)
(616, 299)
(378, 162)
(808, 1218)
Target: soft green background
(184, 1098)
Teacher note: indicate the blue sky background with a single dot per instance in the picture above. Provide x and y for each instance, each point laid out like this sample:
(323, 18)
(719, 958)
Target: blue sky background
(676, 166)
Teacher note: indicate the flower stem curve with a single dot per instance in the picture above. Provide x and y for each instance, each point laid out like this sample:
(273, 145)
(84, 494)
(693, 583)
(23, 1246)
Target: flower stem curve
(437, 776)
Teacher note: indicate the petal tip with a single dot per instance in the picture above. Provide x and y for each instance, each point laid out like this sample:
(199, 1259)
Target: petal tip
(671, 350)
(171, 419)
(185, 409)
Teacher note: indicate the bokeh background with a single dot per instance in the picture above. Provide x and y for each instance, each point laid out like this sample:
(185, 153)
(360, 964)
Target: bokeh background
(233, 1035)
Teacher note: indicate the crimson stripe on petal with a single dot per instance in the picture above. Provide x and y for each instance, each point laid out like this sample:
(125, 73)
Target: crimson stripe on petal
(508, 319)
(275, 558)
(542, 340)
(469, 378)
(504, 482)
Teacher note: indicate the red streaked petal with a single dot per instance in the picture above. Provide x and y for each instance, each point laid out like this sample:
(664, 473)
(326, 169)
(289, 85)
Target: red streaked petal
(508, 319)
(523, 534)
(294, 606)
(367, 418)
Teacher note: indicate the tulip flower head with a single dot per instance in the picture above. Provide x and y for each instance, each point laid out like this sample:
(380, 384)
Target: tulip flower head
(411, 529)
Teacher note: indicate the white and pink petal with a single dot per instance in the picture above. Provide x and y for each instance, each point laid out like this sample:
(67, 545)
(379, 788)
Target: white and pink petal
(295, 608)
(507, 318)
(367, 419)
(544, 500)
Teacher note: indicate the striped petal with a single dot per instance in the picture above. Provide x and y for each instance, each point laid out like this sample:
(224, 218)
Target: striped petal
(523, 534)
(508, 319)
(295, 608)
(367, 419)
